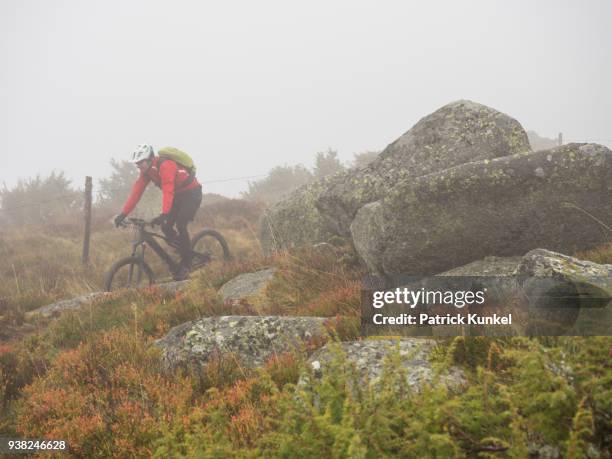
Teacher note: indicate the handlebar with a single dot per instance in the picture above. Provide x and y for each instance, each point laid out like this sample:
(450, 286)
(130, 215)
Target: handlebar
(142, 224)
(137, 222)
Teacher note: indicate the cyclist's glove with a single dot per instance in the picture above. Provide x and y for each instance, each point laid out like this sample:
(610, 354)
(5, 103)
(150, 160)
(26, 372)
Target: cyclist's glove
(159, 220)
(119, 219)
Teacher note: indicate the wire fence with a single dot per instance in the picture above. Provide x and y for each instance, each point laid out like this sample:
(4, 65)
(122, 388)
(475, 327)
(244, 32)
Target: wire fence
(249, 177)
(71, 196)
(87, 196)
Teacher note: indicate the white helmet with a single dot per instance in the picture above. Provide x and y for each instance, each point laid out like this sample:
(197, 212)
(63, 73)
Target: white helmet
(142, 151)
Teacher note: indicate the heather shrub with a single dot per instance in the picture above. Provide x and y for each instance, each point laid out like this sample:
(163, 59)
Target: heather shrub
(307, 281)
(150, 312)
(18, 367)
(285, 368)
(220, 371)
(106, 397)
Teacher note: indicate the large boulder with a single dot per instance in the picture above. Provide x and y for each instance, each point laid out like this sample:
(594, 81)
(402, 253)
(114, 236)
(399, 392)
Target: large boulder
(295, 221)
(457, 133)
(557, 199)
(547, 293)
(542, 263)
(566, 294)
(544, 276)
(253, 339)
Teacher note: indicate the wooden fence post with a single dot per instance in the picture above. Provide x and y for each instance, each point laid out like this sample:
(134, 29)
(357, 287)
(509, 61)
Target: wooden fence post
(87, 214)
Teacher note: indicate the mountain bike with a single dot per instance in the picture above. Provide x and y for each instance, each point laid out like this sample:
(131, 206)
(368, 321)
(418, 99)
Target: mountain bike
(133, 272)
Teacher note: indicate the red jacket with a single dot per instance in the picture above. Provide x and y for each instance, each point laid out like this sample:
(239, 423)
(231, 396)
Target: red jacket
(171, 177)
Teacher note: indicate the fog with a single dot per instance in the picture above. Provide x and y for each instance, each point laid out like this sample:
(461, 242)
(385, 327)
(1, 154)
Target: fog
(245, 86)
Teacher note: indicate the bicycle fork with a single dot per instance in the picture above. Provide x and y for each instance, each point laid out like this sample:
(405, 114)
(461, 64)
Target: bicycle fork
(138, 250)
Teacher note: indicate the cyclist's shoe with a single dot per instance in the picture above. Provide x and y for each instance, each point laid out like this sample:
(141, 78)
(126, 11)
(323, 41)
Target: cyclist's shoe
(181, 274)
(169, 232)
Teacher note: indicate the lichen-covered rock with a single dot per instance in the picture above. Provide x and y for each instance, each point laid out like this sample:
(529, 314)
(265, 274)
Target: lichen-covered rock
(581, 282)
(253, 339)
(540, 263)
(369, 245)
(545, 289)
(369, 357)
(295, 221)
(544, 263)
(457, 133)
(566, 293)
(58, 307)
(556, 199)
(55, 309)
(246, 287)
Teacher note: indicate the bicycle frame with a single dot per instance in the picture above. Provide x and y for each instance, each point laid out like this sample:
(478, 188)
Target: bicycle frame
(147, 238)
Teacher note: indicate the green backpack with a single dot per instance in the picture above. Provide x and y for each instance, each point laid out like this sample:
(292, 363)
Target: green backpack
(179, 157)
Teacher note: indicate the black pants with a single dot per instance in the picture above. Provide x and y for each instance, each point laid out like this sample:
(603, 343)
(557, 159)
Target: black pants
(184, 208)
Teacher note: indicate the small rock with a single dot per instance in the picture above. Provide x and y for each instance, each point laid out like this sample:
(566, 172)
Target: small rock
(58, 307)
(246, 287)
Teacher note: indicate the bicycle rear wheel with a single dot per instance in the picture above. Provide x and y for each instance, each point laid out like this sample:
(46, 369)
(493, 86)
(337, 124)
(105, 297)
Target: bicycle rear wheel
(209, 245)
(129, 272)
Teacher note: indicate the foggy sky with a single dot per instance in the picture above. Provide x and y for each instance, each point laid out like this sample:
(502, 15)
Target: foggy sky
(245, 86)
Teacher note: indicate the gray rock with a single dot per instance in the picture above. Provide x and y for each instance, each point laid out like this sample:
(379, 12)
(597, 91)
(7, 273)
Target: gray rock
(58, 307)
(369, 245)
(295, 221)
(544, 263)
(246, 286)
(455, 134)
(254, 339)
(566, 294)
(549, 289)
(369, 357)
(546, 293)
(539, 263)
(500, 207)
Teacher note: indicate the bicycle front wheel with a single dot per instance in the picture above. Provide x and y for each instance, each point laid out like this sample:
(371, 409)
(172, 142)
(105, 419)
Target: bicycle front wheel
(129, 272)
(209, 245)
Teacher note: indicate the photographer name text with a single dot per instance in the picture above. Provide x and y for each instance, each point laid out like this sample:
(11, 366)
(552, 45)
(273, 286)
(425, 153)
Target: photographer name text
(442, 319)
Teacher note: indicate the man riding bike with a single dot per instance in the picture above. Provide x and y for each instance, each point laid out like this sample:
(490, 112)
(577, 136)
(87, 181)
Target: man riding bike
(181, 198)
